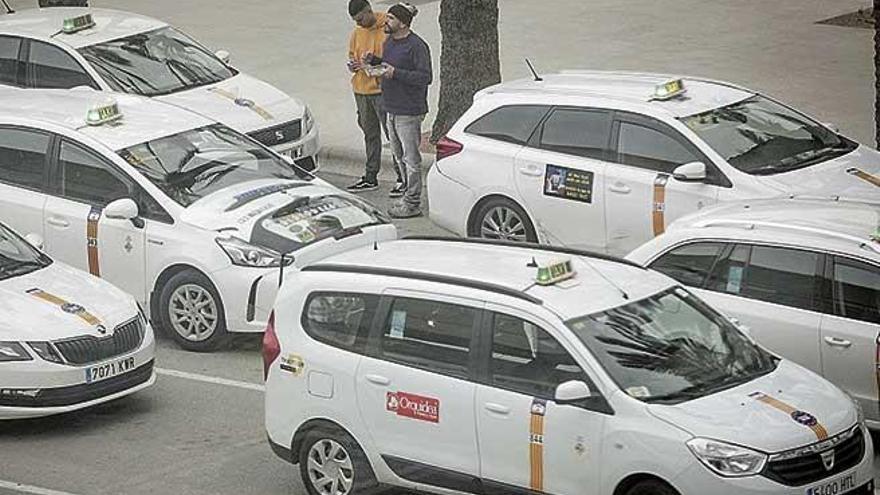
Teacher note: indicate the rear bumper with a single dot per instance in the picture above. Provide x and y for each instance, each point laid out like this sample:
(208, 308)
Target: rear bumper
(280, 450)
(449, 202)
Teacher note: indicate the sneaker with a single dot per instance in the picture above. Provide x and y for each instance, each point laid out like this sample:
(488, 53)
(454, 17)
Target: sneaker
(401, 210)
(398, 190)
(362, 185)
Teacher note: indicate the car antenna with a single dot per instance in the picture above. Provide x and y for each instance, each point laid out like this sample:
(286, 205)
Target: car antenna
(8, 8)
(619, 288)
(531, 68)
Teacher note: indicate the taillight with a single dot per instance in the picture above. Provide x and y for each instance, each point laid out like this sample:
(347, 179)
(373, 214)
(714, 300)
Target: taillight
(447, 147)
(271, 346)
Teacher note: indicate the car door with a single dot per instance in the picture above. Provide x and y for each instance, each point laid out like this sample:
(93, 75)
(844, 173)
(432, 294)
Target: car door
(527, 442)
(642, 196)
(49, 66)
(23, 173)
(415, 390)
(560, 177)
(851, 331)
(11, 66)
(77, 232)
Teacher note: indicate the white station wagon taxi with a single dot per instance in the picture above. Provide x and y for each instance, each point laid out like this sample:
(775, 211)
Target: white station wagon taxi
(604, 160)
(189, 216)
(130, 53)
(803, 274)
(67, 340)
(473, 367)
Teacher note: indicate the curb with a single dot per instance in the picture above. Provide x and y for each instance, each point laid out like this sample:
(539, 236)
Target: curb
(349, 161)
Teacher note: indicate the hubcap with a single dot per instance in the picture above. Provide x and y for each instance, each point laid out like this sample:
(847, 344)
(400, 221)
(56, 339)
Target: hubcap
(503, 223)
(330, 469)
(193, 312)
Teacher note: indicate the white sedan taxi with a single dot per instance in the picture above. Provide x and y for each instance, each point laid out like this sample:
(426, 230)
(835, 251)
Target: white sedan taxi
(130, 53)
(605, 160)
(67, 340)
(189, 216)
(467, 366)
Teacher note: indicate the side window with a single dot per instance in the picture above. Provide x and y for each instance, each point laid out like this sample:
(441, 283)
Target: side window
(643, 147)
(513, 124)
(577, 132)
(86, 177)
(689, 264)
(856, 290)
(23, 158)
(52, 67)
(9, 48)
(431, 335)
(340, 319)
(528, 360)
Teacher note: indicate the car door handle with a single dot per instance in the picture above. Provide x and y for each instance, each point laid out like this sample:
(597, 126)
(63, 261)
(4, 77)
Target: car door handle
(837, 342)
(531, 171)
(497, 408)
(58, 222)
(378, 379)
(620, 188)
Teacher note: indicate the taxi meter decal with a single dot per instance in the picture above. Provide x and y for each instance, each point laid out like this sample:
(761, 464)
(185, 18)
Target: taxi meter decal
(568, 183)
(801, 417)
(413, 406)
(865, 176)
(67, 307)
(92, 240)
(658, 212)
(536, 444)
(243, 102)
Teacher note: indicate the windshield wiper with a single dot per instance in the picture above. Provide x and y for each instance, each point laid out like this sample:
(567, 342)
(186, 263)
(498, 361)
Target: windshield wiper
(20, 268)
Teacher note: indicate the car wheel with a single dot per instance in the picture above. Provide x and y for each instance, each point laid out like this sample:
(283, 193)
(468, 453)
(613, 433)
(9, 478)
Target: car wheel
(191, 312)
(332, 463)
(651, 487)
(502, 219)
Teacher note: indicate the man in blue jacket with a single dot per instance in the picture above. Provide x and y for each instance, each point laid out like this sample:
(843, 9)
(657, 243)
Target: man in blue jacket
(406, 74)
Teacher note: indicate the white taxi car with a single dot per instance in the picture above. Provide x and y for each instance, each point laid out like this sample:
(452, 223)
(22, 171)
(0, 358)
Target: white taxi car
(121, 51)
(67, 340)
(187, 215)
(473, 367)
(803, 274)
(604, 160)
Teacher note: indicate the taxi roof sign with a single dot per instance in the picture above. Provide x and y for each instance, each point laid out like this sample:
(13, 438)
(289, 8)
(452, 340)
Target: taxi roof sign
(103, 113)
(553, 272)
(75, 24)
(669, 89)
(876, 235)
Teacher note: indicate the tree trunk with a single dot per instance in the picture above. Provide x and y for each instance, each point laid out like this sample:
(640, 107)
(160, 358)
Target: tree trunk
(468, 58)
(877, 72)
(64, 3)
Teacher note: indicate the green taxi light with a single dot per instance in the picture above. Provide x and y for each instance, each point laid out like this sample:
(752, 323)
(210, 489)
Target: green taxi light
(101, 114)
(876, 235)
(668, 90)
(554, 272)
(74, 24)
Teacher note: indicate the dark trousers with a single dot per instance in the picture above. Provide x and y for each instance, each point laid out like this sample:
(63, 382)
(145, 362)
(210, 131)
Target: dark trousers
(371, 119)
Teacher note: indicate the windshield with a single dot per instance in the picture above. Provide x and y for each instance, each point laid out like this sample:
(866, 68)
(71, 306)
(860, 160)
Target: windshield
(195, 163)
(155, 63)
(17, 257)
(761, 137)
(671, 347)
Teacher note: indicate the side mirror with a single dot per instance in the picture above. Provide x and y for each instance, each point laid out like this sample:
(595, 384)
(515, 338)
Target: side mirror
(832, 127)
(223, 55)
(690, 172)
(124, 209)
(35, 240)
(571, 392)
(745, 329)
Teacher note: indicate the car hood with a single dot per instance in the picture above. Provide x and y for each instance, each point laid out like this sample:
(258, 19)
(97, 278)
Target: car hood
(787, 408)
(855, 175)
(58, 302)
(242, 102)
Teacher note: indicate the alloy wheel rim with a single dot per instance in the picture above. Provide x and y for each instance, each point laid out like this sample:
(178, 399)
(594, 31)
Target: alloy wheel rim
(330, 468)
(193, 312)
(503, 223)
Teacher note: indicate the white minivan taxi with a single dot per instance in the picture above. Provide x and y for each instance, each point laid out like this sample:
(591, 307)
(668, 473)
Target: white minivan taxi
(467, 366)
(803, 274)
(189, 216)
(66, 47)
(604, 160)
(67, 340)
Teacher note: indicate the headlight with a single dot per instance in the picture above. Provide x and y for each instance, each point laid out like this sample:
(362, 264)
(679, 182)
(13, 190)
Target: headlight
(46, 351)
(308, 121)
(13, 351)
(726, 459)
(242, 253)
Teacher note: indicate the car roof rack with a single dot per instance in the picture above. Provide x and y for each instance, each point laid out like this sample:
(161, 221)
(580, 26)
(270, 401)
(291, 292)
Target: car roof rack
(428, 277)
(752, 224)
(527, 245)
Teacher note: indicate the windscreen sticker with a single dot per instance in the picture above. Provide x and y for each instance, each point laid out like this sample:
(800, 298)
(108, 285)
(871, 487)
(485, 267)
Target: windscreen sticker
(244, 102)
(734, 279)
(413, 406)
(323, 215)
(92, 240)
(255, 194)
(865, 176)
(293, 363)
(67, 307)
(658, 213)
(801, 417)
(536, 444)
(398, 324)
(568, 183)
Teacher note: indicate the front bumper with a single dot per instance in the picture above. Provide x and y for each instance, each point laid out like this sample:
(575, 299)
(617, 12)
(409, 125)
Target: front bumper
(304, 151)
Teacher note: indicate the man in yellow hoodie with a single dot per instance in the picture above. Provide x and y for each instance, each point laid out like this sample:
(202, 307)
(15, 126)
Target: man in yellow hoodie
(368, 36)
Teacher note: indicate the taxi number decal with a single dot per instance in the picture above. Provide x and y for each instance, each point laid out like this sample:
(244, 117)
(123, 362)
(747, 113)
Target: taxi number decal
(568, 183)
(293, 363)
(801, 417)
(413, 406)
(536, 444)
(257, 109)
(658, 211)
(92, 240)
(67, 307)
(865, 176)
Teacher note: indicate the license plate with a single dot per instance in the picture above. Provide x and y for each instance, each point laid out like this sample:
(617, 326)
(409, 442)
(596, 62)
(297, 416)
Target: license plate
(109, 369)
(296, 152)
(837, 486)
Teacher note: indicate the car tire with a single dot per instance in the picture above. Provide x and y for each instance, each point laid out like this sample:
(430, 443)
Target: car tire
(331, 455)
(502, 219)
(191, 312)
(651, 487)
